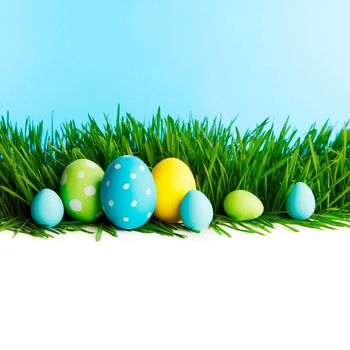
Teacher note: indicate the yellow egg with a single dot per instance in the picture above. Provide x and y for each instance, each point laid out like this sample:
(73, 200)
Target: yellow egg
(173, 179)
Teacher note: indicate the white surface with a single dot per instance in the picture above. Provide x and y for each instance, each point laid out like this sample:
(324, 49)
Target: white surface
(285, 291)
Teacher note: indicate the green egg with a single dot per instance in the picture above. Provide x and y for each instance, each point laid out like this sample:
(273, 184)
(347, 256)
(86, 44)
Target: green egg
(80, 190)
(242, 205)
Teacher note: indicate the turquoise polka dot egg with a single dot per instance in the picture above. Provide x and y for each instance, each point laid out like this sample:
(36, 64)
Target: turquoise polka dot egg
(128, 192)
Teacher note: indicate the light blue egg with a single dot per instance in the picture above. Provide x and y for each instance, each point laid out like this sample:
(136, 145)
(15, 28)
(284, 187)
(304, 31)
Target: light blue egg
(196, 210)
(47, 208)
(128, 192)
(300, 202)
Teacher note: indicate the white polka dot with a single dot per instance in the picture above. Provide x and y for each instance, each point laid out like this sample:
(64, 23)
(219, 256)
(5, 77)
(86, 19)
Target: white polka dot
(91, 164)
(75, 205)
(149, 191)
(99, 214)
(127, 156)
(108, 183)
(133, 176)
(142, 168)
(63, 179)
(133, 203)
(110, 203)
(81, 174)
(149, 215)
(90, 190)
(126, 186)
(125, 219)
(118, 166)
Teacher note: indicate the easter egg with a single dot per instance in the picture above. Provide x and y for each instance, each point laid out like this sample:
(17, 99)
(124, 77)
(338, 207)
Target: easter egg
(173, 179)
(242, 205)
(128, 192)
(196, 210)
(47, 208)
(300, 203)
(80, 189)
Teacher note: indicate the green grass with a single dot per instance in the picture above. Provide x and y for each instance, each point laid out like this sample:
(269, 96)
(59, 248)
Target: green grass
(221, 157)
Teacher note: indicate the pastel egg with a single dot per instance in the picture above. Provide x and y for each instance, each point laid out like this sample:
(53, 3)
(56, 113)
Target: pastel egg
(196, 210)
(80, 188)
(300, 203)
(242, 205)
(173, 179)
(128, 192)
(47, 208)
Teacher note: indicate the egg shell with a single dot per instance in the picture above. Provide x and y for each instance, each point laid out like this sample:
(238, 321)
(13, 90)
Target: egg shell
(173, 179)
(300, 203)
(80, 189)
(47, 208)
(196, 210)
(242, 205)
(128, 192)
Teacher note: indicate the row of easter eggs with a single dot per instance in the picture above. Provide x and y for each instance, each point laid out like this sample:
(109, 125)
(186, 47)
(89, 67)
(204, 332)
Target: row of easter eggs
(127, 193)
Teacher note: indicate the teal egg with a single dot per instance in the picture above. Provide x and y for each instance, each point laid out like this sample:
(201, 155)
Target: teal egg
(128, 192)
(300, 202)
(47, 208)
(196, 210)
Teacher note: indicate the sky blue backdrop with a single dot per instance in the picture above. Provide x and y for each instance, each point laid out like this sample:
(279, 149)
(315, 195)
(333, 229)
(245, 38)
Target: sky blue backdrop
(255, 58)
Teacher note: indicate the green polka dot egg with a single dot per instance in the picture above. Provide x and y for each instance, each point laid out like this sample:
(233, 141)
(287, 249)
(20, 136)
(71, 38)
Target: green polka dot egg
(80, 189)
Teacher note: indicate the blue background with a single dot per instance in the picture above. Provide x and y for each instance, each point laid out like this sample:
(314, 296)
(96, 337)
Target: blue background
(252, 58)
